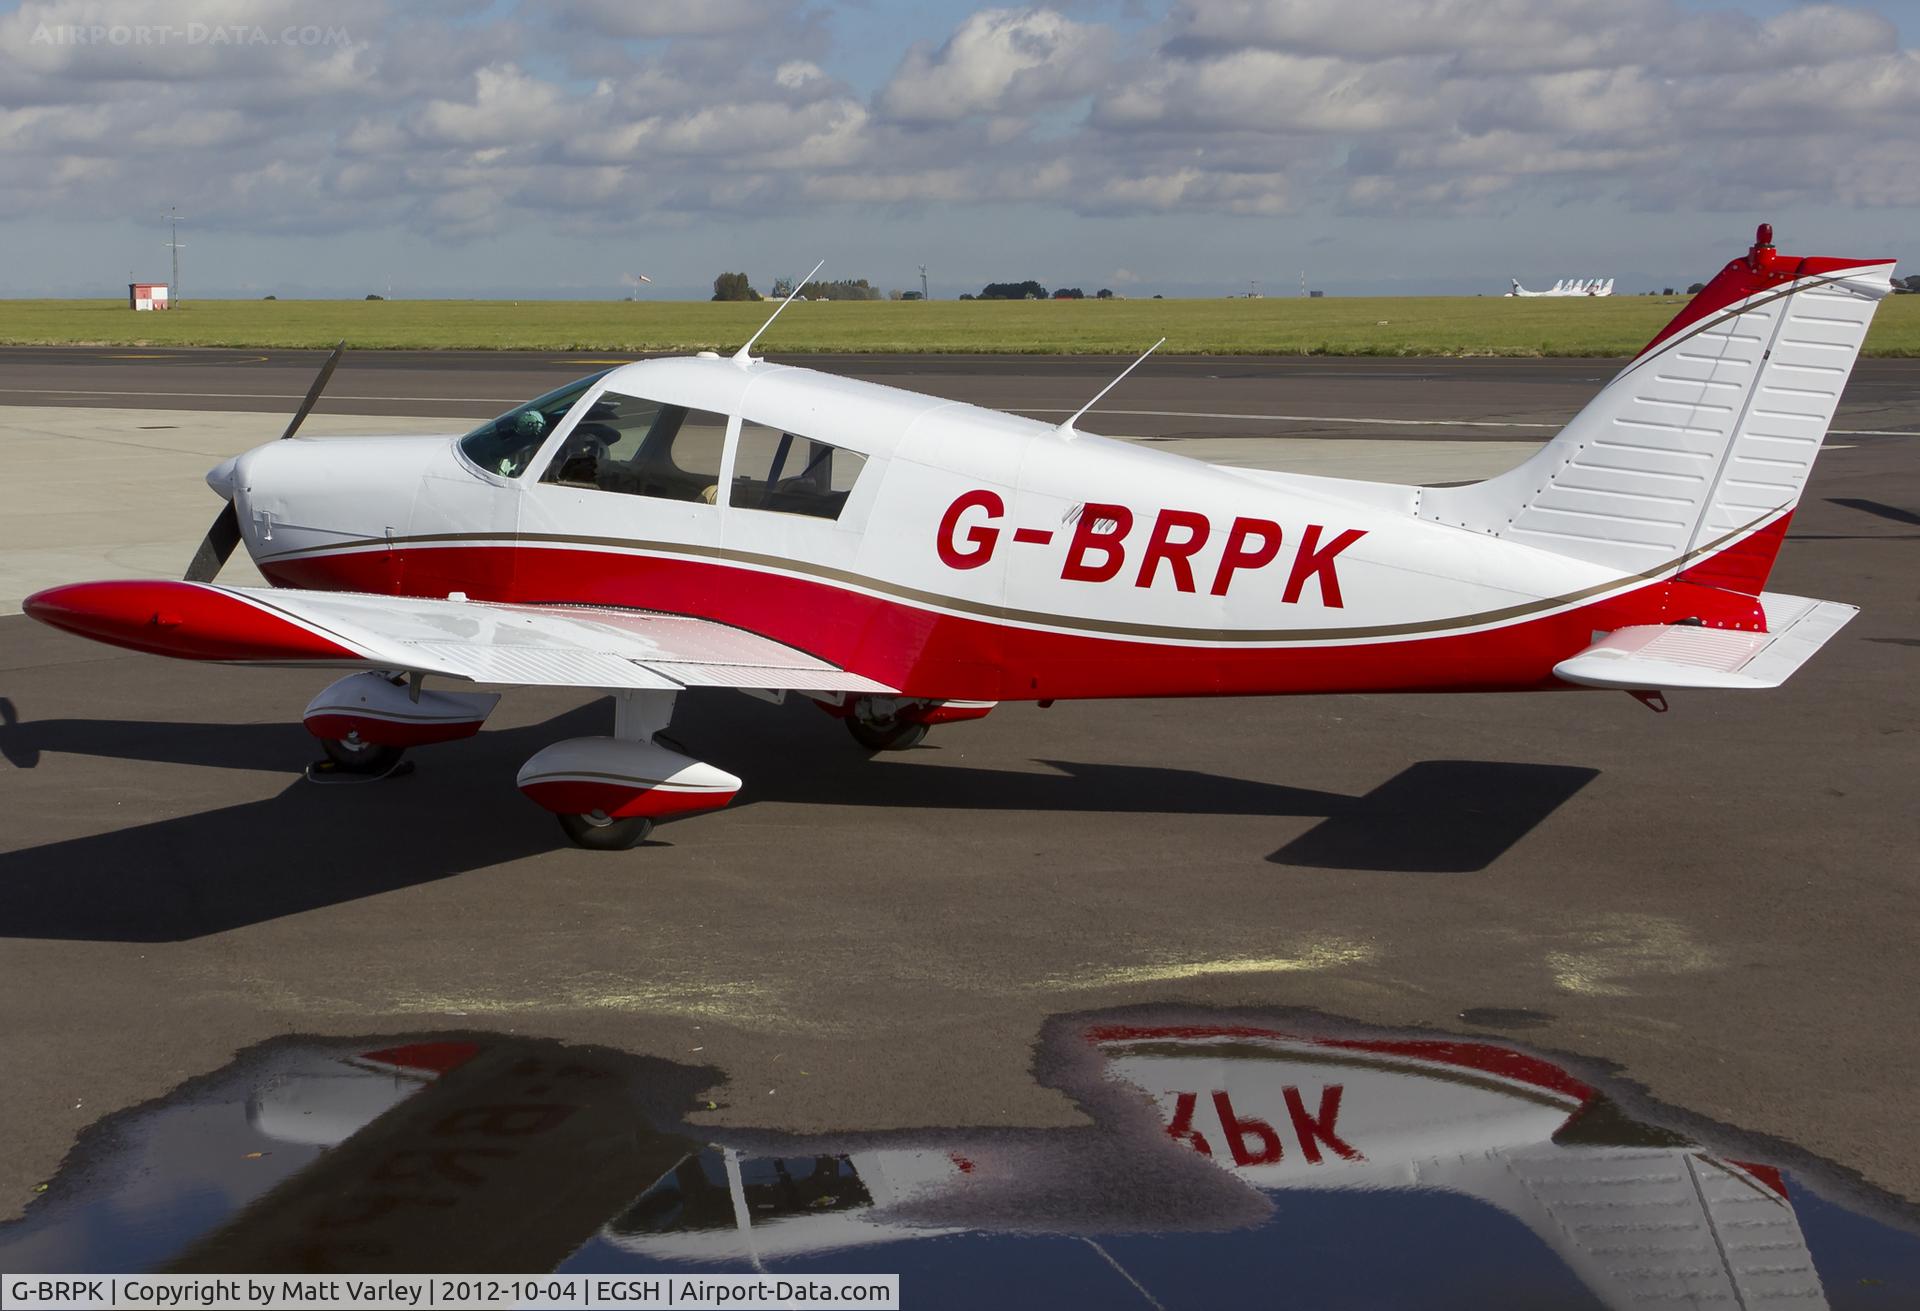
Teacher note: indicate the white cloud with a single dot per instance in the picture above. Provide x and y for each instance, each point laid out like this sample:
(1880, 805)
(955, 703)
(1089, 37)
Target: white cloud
(796, 73)
(508, 106)
(656, 19)
(1462, 106)
(998, 60)
(599, 116)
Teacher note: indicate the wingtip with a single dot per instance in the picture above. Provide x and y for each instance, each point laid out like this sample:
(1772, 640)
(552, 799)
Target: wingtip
(189, 620)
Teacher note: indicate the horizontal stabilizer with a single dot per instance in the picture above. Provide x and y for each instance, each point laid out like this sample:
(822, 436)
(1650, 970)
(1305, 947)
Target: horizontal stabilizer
(1665, 657)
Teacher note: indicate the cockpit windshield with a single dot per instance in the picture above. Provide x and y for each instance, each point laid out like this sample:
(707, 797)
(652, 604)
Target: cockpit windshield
(506, 445)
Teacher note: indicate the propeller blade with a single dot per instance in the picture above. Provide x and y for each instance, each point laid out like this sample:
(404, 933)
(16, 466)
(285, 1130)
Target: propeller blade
(216, 546)
(313, 392)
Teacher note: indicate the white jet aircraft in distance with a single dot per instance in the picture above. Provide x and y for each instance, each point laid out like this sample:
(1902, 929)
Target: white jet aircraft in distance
(1566, 287)
(906, 561)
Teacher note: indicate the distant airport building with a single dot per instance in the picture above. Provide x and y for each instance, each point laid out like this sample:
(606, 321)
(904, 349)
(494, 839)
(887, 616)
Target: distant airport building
(147, 296)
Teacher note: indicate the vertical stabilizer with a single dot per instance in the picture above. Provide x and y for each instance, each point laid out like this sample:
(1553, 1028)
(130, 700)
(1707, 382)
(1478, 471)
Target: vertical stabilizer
(1705, 441)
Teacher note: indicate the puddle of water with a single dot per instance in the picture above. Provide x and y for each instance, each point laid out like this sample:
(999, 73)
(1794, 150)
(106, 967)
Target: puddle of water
(1326, 1163)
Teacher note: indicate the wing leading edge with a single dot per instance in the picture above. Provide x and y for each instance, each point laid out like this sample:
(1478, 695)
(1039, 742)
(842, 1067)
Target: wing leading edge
(528, 645)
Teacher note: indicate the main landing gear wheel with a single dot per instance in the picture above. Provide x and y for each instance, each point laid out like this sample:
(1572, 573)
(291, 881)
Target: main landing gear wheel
(596, 832)
(353, 756)
(890, 733)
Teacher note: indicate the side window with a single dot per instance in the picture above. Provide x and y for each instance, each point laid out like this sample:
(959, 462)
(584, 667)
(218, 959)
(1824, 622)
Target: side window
(791, 474)
(638, 447)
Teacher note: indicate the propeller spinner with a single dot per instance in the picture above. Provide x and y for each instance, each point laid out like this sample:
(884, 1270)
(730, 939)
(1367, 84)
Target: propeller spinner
(224, 534)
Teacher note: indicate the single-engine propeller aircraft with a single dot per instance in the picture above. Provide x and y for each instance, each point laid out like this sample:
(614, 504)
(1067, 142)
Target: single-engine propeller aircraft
(907, 561)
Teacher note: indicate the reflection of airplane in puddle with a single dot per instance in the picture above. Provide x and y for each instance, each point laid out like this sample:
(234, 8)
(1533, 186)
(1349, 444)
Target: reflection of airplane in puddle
(1214, 1153)
(1636, 1212)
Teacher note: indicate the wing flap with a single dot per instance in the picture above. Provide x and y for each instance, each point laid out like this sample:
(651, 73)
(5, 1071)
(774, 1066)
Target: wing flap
(527, 666)
(1666, 657)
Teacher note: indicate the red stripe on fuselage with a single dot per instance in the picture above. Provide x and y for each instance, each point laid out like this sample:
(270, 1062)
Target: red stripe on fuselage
(1485, 1057)
(926, 653)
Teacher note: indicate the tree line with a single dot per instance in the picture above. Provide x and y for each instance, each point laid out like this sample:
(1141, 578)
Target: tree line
(735, 286)
(1031, 290)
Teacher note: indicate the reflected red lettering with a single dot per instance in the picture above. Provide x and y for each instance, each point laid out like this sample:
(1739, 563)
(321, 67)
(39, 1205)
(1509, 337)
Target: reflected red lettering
(1315, 1130)
(1182, 1130)
(1239, 1131)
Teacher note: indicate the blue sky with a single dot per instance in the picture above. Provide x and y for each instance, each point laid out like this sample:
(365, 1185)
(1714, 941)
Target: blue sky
(534, 148)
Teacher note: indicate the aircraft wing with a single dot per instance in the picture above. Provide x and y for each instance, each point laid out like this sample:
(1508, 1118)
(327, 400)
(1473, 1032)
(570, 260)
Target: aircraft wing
(528, 645)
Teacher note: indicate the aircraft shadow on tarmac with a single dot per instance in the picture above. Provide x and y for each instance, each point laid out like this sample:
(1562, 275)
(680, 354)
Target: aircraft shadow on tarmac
(308, 847)
(1879, 509)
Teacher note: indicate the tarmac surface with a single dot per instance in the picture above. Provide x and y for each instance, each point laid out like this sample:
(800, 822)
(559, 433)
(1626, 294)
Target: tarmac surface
(1718, 903)
(1169, 396)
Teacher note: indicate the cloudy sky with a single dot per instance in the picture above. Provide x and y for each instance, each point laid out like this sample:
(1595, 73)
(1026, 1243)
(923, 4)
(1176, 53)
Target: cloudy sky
(542, 148)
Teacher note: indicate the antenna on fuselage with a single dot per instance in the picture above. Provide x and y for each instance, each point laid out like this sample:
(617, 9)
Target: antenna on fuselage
(741, 355)
(1066, 429)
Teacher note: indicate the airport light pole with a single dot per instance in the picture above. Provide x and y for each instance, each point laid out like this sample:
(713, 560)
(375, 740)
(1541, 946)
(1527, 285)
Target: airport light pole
(173, 244)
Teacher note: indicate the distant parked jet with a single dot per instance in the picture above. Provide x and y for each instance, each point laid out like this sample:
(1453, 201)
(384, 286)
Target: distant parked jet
(1568, 287)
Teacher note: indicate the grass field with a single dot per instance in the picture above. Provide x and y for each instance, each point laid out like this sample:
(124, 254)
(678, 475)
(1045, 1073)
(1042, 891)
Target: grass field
(1430, 325)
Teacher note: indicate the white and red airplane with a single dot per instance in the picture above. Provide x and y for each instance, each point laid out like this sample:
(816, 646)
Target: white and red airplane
(907, 561)
(1638, 1213)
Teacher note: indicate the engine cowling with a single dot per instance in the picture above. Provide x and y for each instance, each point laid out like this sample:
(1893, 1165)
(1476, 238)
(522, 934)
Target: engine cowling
(621, 779)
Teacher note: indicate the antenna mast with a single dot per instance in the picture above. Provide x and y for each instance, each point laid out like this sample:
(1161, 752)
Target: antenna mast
(742, 355)
(173, 222)
(1066, 429)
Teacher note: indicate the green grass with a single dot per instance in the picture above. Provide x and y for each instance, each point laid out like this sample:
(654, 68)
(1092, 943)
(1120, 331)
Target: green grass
(1428, 325)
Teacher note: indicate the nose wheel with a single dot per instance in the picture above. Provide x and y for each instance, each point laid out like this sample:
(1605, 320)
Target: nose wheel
(596, 832)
